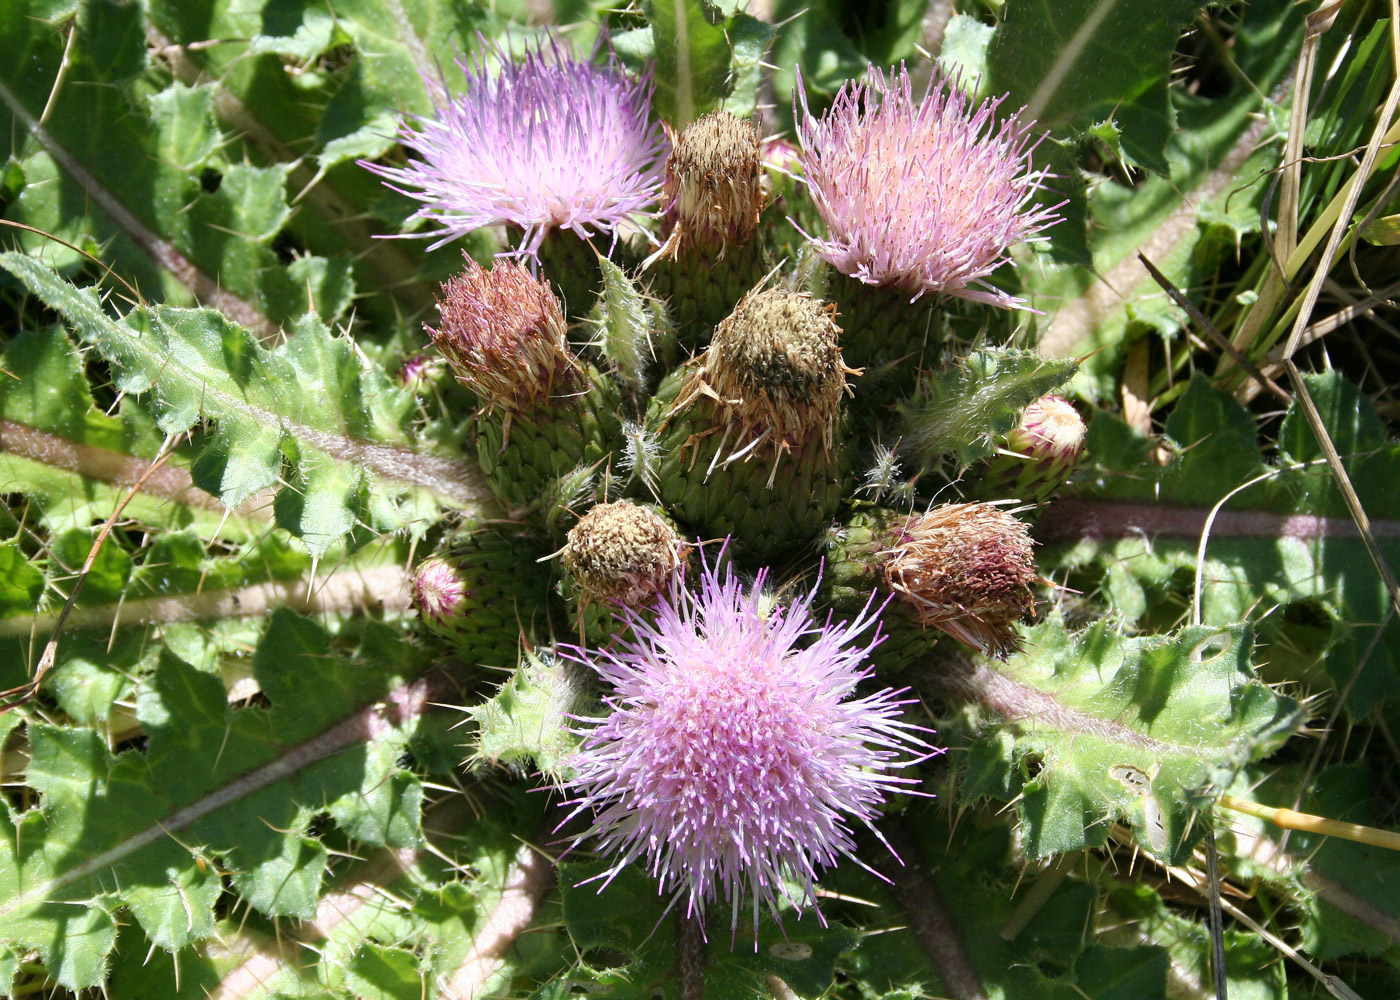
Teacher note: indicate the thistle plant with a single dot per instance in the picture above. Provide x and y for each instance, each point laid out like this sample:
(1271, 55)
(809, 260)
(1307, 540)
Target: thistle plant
(495, 510)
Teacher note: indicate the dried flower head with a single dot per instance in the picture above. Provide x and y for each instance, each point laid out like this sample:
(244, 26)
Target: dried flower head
(921, 196)
(624, 554)
(503, 334)
(735, 756)
(548, 142)
(713, 189)
(965, 568)
(774, 367)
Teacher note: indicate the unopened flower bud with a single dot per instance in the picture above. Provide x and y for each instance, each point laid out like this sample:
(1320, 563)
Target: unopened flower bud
(472, 594)
(1038, 455)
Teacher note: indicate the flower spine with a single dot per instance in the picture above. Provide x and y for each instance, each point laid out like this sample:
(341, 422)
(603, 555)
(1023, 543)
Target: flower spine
(735, 756)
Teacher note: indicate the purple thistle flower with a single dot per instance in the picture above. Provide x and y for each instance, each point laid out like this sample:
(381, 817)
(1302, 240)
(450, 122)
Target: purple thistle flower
(922, 196)
(736, 756)
(549, 142)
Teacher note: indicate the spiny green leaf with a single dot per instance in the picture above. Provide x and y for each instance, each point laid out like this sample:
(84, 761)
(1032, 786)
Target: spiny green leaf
(242, 785)
(961, 413)
(629, 916)
(1185, 221)
(1292, 569)
(1075, 63)
(1100, 728)
(335, 414)
(121, 165)
(692, 57)
(526, 723)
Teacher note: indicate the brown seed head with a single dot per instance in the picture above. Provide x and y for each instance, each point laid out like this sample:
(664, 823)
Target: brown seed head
(713, 189)
(965, 568)
(503, 334)
(624, 554)
(774, 367)
(1050, 428)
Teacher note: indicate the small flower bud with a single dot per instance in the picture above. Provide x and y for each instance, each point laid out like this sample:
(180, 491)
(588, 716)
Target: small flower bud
(438, 592)
(474, 594)
(419, 372)
(503, 334)
(964, 568)
(1038, 455)
(713, 189)
(623, 554)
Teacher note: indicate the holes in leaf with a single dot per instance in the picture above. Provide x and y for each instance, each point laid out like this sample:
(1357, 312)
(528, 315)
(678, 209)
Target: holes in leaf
(210, 180)
(1031, 765)
(604, 958)
(583, 988)
(137, 741)
(336, 59)
(1211, 648)
(791, 951)
(287, 247)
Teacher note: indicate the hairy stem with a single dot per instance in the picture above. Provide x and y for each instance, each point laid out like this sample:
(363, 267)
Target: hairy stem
(379, 590)
(929, 919)
(119, 469)
(1070, 520)
(530, 877)
(691, 955)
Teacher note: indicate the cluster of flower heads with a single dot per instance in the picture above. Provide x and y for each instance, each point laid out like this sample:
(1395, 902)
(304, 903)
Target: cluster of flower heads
(920, 195)
(736, 756)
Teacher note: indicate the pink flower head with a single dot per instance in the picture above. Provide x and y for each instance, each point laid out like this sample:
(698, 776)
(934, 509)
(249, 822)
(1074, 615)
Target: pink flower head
(736, 755)
(548, 142)
(922, 196)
